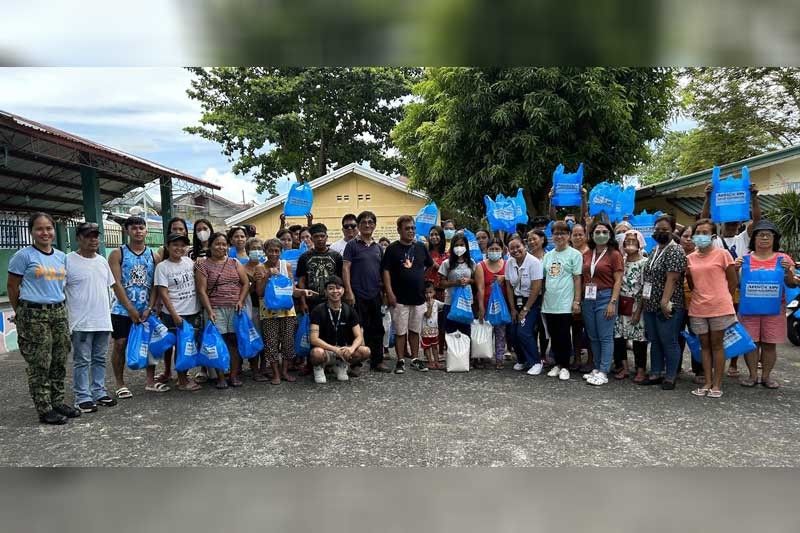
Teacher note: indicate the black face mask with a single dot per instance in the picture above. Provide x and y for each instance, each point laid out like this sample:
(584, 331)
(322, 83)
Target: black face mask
(662, 238)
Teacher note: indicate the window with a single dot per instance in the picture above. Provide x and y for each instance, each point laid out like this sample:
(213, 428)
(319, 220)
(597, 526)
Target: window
(364, 198)
(338, 197)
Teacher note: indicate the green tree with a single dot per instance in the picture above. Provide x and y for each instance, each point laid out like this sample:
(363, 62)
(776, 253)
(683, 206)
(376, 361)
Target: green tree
(476, 131)
(306, 121)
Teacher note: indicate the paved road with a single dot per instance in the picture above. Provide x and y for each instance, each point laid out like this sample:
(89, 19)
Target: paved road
(483, 418)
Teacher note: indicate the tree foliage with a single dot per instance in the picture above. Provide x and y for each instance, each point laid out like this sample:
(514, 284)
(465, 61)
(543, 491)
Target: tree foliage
(740, 113)
(476, 131)
(273, 121)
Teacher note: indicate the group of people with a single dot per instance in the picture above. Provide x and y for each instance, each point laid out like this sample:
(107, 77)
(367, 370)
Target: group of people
(588, 296)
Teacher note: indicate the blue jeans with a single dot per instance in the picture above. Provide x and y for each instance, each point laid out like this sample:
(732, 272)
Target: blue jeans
(89, 348)
(665, 352)
(599, 329)
(523, 338)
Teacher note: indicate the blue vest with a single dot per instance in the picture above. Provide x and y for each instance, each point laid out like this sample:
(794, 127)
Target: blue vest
(137, 279)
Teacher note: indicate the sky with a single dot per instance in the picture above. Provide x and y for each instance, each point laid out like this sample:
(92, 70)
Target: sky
(141, 111)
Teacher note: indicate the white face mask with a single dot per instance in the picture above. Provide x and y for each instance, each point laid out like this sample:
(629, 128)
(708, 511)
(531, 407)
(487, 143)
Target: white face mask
(620, 238)
(203, 235)
(460, 250)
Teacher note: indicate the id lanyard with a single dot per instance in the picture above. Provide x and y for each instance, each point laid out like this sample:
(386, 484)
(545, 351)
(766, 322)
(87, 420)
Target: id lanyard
(591, 288)
(647, 287)
(335, 323)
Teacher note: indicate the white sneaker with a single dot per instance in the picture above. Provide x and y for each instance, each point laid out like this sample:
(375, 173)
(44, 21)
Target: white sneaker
(518, 366)
(319, 374)
(341, 370)
(598, 379)
(535, 370)
(563, 375)
(553, 371)
(592, 373)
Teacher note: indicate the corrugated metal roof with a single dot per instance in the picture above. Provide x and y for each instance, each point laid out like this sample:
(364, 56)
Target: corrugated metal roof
(693, 205)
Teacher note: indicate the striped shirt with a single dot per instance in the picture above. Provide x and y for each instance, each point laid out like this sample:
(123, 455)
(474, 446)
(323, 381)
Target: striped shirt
(223, 285)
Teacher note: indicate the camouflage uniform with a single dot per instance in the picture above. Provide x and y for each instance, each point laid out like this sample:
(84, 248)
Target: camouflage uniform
(44, 342)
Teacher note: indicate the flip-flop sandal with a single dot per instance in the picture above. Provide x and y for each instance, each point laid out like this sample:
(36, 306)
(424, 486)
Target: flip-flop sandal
(748, 383)
(156, 387)
(235, 382)
(163, 378)
(222, 384)
(771, 384)
(733, 373)
(289, 378)
(715, 394)
(275, 381)
(260, 378)
(200, 377)
(190, 387)
(701, 392)
(123, 392)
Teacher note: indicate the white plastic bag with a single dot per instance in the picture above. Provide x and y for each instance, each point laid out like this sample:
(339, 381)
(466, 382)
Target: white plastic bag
(482, 340)
(457, 352)
(387, 325)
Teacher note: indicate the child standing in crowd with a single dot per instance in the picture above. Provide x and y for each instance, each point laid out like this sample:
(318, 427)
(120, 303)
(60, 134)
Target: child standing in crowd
(629, 325)
(254, 269)
(436, 247)
(176, 226)
(430, 327)
(712, 277)
(492, 270)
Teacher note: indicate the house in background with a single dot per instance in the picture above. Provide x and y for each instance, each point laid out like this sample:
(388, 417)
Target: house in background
(201, 204)
(350, 189)
(773, 173)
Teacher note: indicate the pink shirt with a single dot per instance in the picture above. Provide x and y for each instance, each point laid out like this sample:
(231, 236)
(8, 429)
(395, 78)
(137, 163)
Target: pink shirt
(710, 296)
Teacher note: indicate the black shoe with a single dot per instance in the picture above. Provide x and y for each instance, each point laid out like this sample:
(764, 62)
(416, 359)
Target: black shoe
(53, 417)
(87, 407)
(419, 364)
(652, 381)
(354, 371)
(399, 368)
(66, 410)
(668, 385)
(107, 401)
(379, 368)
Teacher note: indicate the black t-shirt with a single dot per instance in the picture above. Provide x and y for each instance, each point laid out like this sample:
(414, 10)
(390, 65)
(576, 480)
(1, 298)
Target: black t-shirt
(318, 267)
(406, 264)
(335, 327)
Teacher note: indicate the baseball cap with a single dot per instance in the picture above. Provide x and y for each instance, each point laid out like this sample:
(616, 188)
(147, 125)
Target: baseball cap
(172, 237)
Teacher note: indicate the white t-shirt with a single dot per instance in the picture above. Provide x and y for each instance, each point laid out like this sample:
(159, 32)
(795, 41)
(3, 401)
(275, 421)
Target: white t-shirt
(178, 278)
(87, 292)
(430, 325)
(738, 245)
(521, 276)
(339, 246)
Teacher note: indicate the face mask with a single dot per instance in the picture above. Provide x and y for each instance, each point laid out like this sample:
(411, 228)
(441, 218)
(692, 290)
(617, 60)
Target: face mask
(460, 250)
(256, 255)
(662, 238)
(449, 234)
(203, 235)
(570, 224)
(620, 238)
(601, 238)
(701, 241)
(494, 256)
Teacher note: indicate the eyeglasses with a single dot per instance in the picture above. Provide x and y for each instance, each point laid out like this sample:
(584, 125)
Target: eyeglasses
(409, 228)
(348, 226)
(764, 235)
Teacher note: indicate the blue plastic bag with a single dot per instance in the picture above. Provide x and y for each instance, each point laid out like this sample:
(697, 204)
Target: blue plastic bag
(278, 293)
(161, 338)
(645, 223)
(760, 291)
(426, 218)
(501, 213)
(461, 305)
(603, 199)
(138, 346)
(567, 187)
(474, 249)
(693, 342)
(626, 200)
(302, 342)
(521, 207)
(248, 338)
(299, 200)
(213, 350)
(497, 313)
(185, 348)
(737, 341)
(291, 257)
(730, 197)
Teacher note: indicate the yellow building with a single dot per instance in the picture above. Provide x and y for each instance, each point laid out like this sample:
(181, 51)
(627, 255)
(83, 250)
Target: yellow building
(773, 173)
(350, 189)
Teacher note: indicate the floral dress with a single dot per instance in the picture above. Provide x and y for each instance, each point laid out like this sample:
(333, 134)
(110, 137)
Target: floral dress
(632, 281)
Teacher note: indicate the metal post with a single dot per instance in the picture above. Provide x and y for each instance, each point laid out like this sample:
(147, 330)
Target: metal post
(165, 182)
(92, 203)
(61, 236)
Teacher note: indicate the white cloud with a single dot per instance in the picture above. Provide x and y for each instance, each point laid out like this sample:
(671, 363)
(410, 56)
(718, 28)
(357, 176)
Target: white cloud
(233, 186)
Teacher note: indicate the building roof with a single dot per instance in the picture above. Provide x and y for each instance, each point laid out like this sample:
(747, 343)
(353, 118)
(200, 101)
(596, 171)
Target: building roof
(693, 205)
(703, 176)
(219, 199)
(383, 179)
(40, 168)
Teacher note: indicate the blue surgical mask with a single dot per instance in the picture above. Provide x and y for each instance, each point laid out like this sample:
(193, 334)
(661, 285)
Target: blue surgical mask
(449, 234)
(494, 256)
(256, 255)
(701, 241)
